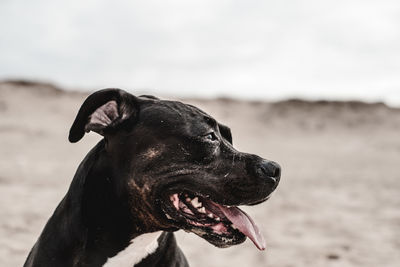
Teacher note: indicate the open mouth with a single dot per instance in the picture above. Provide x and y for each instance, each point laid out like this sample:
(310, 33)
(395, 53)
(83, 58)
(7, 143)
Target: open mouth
(219, 224)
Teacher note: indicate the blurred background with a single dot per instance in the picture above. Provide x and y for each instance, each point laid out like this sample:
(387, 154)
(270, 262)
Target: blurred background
(313, 85)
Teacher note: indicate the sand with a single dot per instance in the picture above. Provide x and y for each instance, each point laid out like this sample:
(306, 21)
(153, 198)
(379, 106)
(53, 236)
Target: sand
(337, 204)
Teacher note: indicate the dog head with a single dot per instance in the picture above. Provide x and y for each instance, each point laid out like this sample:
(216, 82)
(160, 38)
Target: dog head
(176, 167)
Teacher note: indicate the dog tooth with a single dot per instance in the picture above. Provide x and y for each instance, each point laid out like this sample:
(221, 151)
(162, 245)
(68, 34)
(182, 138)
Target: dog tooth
(195, 202)
(233, 226)
(217, 219)
(187, 210)
(210, 215)
(202, 210)
(169, 217)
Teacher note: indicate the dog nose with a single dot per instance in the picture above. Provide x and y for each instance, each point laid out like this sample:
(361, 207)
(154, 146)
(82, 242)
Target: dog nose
(269, 169)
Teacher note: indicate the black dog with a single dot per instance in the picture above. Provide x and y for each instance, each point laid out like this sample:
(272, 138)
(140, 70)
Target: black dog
(162, 166)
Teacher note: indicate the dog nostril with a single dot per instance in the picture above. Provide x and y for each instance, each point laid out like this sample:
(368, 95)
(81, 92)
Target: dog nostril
(275, 170)
(269, 169)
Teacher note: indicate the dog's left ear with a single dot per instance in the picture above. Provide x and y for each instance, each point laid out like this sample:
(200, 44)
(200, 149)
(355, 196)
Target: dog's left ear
(103, 111)
(225, 132)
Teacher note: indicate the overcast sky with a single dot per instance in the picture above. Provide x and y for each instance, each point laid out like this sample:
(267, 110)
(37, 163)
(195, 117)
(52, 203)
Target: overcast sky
(250, 48)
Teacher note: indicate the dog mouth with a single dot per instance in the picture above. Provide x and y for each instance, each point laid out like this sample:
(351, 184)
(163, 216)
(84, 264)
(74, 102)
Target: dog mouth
(219, 224)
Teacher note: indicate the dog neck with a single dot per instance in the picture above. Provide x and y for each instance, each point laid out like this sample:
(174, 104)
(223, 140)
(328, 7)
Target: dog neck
(91, 224)
(111, 229)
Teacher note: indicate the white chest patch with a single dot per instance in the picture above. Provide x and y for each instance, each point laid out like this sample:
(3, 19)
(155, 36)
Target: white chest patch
(138, 249)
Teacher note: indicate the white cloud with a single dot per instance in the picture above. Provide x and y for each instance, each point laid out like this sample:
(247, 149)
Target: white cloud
(248, 48)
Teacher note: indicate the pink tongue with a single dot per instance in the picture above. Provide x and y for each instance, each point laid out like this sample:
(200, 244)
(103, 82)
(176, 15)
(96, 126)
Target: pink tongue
(244, 224)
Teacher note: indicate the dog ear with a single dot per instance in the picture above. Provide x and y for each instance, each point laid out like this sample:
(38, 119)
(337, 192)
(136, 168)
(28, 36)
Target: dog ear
(225, 132)
(102, 111)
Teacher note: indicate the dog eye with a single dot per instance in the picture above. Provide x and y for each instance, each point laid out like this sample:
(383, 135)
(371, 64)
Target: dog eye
(211, 136)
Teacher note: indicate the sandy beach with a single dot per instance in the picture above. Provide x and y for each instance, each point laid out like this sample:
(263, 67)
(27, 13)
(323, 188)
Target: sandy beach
(337, 204)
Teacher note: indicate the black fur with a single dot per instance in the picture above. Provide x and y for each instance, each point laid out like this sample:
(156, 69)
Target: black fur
(150, 149)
